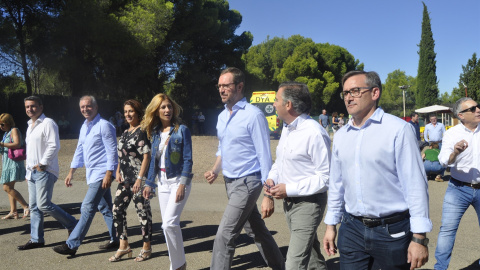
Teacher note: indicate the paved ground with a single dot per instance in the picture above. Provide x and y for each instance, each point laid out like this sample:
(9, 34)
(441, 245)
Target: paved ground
(199, 224)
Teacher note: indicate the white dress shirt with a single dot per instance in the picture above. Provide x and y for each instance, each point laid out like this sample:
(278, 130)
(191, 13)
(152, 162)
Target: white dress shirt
(467, 164)
(43, 145)
(303, 158)
(377, 171)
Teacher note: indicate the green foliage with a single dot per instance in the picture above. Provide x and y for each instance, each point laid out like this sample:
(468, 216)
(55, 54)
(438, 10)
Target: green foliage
(391, 99)
(427, 85)
(319, 65)
(12, 84)
(470, 76)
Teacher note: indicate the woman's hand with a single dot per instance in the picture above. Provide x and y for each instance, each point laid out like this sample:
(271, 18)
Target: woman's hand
(136, 187)
(146, 192)
(180, 193)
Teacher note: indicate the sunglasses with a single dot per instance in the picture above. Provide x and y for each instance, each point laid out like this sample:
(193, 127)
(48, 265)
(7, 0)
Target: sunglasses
(471, 109)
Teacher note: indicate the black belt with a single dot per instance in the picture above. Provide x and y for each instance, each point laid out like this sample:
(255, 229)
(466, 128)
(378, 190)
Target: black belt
(257, 174)
(374, 222)
(309, 198)
(461, 183)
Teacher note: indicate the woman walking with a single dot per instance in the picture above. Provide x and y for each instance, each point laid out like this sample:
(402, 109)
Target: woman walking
(12, 171)
(134, 158)
(172, 163)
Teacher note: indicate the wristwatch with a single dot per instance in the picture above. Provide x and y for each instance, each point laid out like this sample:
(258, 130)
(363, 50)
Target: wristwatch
(423, 242)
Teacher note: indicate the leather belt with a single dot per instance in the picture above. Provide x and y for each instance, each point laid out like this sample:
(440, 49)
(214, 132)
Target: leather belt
(374, 222)
(257, 174)
(461, 183)
(309, 198)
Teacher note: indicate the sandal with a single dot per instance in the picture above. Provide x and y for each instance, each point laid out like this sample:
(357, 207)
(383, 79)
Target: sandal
(439, 178)
(144, 255)
(11, 215)
(26, 212)
(117, 257)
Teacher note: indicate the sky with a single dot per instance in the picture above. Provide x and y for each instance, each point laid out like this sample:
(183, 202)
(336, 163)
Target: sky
(382, 34)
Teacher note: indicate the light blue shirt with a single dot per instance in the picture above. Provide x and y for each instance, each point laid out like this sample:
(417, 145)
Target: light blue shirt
(96, 149)
(377, 171)
(244, 141)
(434, 133)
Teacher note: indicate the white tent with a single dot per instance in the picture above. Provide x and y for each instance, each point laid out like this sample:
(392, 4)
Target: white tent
(445, 111)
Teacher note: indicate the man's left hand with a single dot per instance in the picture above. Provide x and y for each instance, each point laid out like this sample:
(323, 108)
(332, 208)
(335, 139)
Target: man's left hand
(107, 181)
(279, 191)
(268, 207)
(417, 255)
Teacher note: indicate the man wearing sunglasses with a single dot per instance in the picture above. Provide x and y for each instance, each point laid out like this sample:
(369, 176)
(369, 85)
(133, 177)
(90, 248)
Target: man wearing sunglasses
(460, 152)
(433, 132)
(378, 189)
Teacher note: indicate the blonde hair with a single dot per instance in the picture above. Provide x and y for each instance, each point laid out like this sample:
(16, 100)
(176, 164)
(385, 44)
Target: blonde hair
(7, 119)
(151, 119)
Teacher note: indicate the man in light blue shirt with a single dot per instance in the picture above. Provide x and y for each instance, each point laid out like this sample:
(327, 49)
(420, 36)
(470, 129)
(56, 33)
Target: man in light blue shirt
(244, 157)
(97, 151)
(378, 187)
(433, 132)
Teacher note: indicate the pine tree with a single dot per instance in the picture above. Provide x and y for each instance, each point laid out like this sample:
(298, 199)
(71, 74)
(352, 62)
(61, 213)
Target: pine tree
(427, 87)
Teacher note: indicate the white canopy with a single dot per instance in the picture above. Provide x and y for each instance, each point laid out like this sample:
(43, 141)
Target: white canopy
(434, 108)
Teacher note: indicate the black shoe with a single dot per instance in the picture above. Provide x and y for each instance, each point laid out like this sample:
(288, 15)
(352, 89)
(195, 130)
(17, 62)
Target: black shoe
(30, 245)
(110, 245)
(64, 250)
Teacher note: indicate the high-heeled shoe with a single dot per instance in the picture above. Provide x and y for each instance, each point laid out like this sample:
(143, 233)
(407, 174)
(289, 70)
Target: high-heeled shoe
(11, 215)
(26, 212)
(144, 255)
(117, 257)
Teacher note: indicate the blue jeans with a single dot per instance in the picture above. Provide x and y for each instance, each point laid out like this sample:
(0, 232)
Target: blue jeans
(40, 190)
(456, 202)
(96, 198)
(433, 167)
(361, 247)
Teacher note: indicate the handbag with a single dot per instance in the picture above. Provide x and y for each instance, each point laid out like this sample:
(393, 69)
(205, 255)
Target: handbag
(18, 154)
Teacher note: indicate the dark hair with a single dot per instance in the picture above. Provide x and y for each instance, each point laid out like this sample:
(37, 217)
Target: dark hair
(38, 100)
(238, 76)
(413, 114)
(137, 107)
(372, 79)
(298, 94)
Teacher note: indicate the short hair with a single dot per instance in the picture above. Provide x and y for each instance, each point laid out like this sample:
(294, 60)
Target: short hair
(38, 100)
(151, 118)
(432, 115)
(298, 94)
(137, 107)
(413, 114)
(372, 79)
(7, 119)
(92, 99)
(238, 75)
(458, 105)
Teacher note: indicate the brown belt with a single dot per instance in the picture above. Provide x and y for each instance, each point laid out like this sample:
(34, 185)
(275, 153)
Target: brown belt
(461, 183)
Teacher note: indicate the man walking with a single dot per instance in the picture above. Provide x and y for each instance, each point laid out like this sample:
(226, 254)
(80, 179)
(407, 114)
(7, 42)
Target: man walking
(299, 176)
(434, 131)
(323, 120)
(378, 187)
(97, 150)
(460, 152)
(43, 144)
(244, 156)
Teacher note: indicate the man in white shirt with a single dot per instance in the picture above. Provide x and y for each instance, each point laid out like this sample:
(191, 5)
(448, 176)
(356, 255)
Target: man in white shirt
(43, 145)
(377, 186)
(460, 152)
(299, 176)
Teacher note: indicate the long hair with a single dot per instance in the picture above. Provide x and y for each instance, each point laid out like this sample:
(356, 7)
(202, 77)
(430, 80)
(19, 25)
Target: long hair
(151, 119)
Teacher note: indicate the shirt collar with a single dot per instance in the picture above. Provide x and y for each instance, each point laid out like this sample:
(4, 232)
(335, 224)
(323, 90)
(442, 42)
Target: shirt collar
(94, 121)
(239, 105)
(376, 117)
(468, 130)
(298, 121)
(39, 119)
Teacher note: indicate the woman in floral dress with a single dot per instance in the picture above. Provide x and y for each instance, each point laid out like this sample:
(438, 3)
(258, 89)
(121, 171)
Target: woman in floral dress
(134, 158)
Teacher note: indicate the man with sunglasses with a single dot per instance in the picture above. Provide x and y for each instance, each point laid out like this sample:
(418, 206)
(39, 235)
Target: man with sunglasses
(377, 187)
(460, 152)
(244, 157)
(433, 132)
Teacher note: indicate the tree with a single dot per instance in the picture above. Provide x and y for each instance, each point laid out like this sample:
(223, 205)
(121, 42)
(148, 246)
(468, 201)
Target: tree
(319, 65)
(427, 85)
(470, 77)
(392, 96)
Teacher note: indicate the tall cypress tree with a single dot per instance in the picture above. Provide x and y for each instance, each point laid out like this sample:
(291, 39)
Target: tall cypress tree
(427, 87)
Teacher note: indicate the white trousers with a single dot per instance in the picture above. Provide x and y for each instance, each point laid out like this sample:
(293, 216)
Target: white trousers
(171, 211)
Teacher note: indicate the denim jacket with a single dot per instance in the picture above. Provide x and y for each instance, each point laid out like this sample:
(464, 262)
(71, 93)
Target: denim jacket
(178, 156)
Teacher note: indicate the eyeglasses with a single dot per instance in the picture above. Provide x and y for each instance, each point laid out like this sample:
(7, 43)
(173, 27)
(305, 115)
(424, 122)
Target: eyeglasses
(354, 92)
(471, 109)
(220, 86)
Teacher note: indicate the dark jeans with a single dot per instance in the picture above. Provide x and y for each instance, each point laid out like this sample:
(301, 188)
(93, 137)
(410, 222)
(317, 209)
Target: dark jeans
(385, 246)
